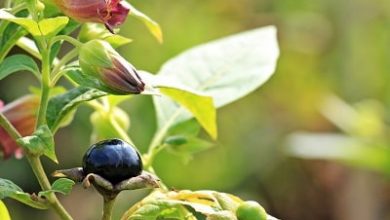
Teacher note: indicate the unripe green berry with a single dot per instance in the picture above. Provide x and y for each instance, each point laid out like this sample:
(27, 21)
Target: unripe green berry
(251, 210)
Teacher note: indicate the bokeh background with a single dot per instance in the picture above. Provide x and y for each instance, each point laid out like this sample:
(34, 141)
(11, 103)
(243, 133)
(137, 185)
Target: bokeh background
(327, 47)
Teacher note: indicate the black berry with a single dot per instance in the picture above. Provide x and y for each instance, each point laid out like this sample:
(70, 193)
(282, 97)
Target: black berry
(112, 159)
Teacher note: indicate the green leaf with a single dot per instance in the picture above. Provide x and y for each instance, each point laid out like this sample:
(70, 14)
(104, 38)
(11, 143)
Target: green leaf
(17, 63)
(11, 190)
(62, 185)
(40, 142)
(62, 105)
(187, 146)
(153, 26)
(48, 27)
(29, 24)
(4, 214)
(10, 35)
(226, 69)
(200, 106)
(7, 188)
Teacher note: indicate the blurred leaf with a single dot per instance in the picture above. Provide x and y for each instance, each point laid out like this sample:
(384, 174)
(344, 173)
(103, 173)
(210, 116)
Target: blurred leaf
(226, 70)
(47, 27)
(364, 119)
(153, 26)
(348, 150)
(17, 63)
(40, 142)
(187, 128)
(11, 190)
(62, 105)
(115, 100)
(62, 185)
(4, 214)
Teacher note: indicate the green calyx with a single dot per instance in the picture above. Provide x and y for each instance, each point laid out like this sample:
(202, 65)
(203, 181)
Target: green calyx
(95, 55)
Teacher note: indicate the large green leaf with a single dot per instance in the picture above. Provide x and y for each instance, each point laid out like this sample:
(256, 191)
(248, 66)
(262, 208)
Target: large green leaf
(199, 105)
(62, 105)
(11, 190)
(17, 63)
(226, 69)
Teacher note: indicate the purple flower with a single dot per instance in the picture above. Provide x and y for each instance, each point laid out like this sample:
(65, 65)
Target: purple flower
(22, 115)
(111, 13)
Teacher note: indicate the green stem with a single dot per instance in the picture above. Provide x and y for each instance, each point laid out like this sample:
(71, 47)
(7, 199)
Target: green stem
(154, 148)
(39, 172)
(45, 88)
(56, 72)
(37, 168)
(108, 208)
(8, 127)
(34, 160)
(69, 39)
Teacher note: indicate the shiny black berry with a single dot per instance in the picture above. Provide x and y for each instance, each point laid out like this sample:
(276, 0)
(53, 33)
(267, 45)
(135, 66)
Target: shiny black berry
(112, 159)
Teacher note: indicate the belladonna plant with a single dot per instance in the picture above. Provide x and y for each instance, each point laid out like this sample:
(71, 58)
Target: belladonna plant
(186, 91)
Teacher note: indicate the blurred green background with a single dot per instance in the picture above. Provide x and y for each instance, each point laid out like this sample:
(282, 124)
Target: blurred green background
(327, 46)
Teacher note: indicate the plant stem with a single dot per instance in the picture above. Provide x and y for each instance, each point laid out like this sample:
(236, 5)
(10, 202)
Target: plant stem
(45, 88)
(37, 168)
(34, 160)
(154, 148)
(8, 127)
(69, 39)
(39, 172)
(108, 207)
(57, 72)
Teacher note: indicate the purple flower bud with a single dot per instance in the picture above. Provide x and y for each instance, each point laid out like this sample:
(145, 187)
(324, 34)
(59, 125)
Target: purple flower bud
(111, 13)
(22, 115)
(112, 73)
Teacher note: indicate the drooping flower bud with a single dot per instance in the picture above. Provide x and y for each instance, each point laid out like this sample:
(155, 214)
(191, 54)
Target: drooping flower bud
(111, 13)
(112, 73)
(22, 115)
